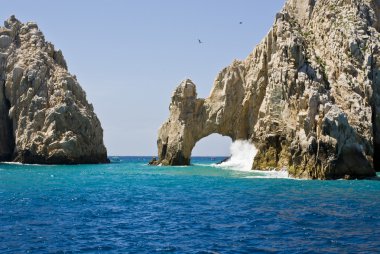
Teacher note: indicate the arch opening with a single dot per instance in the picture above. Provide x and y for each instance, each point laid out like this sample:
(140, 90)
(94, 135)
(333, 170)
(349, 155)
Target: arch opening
(213, 145)
(237, 155)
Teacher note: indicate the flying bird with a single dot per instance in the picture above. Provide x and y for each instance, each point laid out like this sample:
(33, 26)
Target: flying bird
(199, 41)
(241, 22)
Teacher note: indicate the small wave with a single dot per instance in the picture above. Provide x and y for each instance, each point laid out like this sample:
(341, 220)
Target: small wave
(24, 164)
(281, 174)
(272, 174)
(203, 165)
(160, 165)
(12, 163)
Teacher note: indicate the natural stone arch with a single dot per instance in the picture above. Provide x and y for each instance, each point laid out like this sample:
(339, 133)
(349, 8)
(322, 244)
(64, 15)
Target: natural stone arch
(308, 96)
(192, 119)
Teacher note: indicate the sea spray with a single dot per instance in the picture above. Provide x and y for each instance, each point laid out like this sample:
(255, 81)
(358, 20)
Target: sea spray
(242, 154)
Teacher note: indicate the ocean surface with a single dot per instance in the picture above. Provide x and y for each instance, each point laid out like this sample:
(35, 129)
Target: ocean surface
(129, 207)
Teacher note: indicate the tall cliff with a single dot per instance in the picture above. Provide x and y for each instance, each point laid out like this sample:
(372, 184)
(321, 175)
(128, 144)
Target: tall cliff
(308, 96)
(44, 114)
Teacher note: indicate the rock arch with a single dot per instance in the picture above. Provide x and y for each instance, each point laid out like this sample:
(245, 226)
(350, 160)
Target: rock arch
(308, 96)
(224, 112)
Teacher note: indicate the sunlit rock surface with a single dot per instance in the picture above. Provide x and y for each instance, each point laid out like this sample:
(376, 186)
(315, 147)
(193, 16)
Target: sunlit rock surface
(44, 115)
(308, 96)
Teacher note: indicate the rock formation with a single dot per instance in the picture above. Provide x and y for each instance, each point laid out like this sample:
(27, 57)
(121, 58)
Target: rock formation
(44, 115)
(308, 96)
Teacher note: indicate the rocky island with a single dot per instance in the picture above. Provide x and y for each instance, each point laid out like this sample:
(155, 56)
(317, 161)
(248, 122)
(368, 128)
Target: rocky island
(308, 96)
(44, 115)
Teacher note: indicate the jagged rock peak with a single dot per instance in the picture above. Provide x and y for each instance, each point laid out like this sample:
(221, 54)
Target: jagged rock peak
(186, 89)
(44, 113)
(308, 96)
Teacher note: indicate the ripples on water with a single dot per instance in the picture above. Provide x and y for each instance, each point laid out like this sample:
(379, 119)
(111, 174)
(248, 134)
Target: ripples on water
(129, 207)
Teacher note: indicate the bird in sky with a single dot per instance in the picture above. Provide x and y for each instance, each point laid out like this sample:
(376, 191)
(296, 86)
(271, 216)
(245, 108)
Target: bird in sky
(199, 41)
(241, 22)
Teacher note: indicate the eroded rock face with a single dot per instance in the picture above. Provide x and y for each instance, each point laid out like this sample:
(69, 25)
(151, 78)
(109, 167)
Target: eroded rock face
(308, 96)
(44, 114)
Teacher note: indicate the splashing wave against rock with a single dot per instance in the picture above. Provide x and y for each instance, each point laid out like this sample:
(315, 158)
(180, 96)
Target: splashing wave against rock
(242, 154)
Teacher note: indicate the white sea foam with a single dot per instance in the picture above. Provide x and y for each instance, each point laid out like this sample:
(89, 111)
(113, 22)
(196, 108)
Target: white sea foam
(281, 174)
(11, 163)
(185, 166)
(242, 154)
(26, 164)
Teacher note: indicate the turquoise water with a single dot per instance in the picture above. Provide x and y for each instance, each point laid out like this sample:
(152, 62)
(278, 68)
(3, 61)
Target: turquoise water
(128, 207)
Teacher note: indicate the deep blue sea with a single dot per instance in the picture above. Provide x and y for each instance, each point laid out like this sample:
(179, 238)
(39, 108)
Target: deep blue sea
(129, 207)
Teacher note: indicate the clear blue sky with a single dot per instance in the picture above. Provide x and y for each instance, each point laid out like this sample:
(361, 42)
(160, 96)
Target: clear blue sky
(130, 55)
